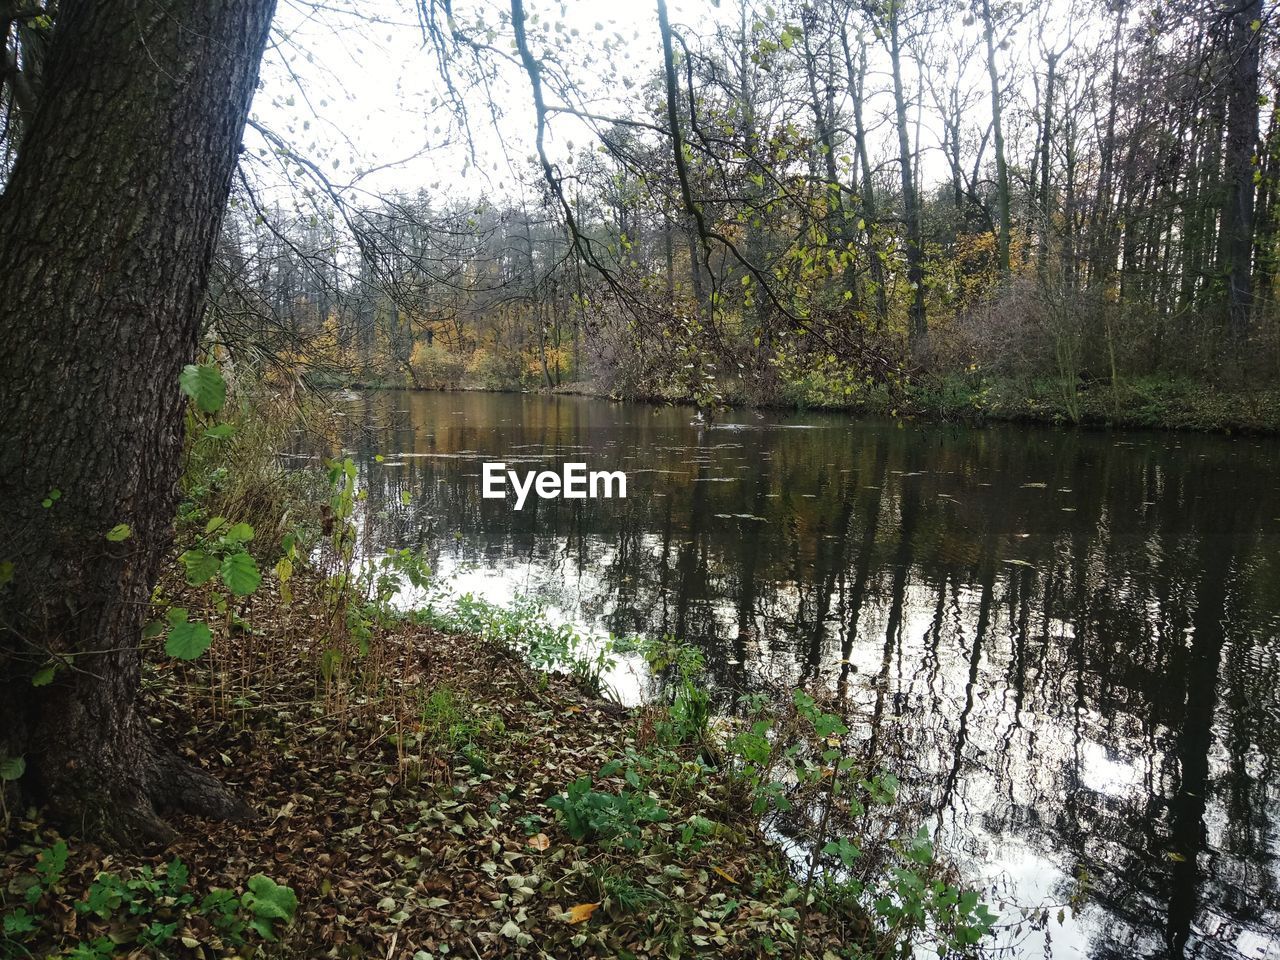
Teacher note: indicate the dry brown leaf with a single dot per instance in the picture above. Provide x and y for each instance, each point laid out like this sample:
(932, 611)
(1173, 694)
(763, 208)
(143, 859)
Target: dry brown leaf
(580, 913)
(540, 842)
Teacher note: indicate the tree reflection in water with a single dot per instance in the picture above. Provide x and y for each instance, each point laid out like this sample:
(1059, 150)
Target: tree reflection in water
(1065, 644)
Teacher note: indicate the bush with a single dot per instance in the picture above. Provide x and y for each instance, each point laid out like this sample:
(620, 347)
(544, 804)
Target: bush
(495, 368)
(147, 910)
(437, 367)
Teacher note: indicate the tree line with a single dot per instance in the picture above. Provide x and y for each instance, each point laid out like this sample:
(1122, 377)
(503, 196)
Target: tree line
(835, 193)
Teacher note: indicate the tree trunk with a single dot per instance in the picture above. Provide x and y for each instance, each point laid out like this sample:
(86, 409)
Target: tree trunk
(997, 126)
(756, 204)
(1102, 226)
(1267, 228)
(1046, 198)
(856, 77)
(821, 102)
(1241, 147)
(917, 326)
(106, 233)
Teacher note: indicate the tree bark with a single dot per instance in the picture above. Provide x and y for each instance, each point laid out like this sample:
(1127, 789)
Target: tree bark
(107, 229)
(1241, 148)
(856, 77)
(997, 126)
(917, 325)
(1046, 198)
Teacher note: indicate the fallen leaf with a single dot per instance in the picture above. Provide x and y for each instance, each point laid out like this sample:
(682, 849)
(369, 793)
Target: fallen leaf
(540, 842)
(580, 913)
(510, 930)
(727, 876)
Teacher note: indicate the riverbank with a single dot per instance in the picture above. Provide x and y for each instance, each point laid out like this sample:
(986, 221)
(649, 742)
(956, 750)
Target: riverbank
(1146, 403)
(1156, 403)
(425, 793)
(1143, 403)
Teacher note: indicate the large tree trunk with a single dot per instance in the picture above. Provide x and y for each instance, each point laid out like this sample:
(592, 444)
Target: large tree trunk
(106, 232)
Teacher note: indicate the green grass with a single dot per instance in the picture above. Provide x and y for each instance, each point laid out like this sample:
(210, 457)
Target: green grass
(458, 727)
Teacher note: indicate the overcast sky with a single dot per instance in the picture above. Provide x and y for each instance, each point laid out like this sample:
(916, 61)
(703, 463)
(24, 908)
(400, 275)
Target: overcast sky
(351, 85)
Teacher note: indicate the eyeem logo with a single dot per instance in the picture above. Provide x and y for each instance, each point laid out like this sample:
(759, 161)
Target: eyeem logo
(572, 483)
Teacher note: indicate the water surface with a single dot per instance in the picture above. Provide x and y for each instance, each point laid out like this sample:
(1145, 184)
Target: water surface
(1064, 643)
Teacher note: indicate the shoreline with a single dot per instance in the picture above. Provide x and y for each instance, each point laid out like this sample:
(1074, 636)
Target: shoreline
(418, 802)
(1147, 404)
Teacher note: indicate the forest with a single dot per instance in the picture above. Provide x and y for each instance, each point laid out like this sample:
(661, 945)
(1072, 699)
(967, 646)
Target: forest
(928, 352)
(915, 205)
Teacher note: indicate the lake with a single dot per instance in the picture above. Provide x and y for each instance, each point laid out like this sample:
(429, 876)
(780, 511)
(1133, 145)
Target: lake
(1066, 644)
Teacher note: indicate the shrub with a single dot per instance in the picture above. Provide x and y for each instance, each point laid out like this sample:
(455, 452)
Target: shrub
(437, 367)
(494, 368)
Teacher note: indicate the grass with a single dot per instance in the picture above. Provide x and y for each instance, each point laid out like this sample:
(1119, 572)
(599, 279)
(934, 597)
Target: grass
(459, 728)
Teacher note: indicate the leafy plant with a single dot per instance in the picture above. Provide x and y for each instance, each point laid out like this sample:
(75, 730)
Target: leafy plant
(523, 629)
(204, 384)
(269, 903)
(144, 910)
(186, 640)
(786, 759)
(590, 814)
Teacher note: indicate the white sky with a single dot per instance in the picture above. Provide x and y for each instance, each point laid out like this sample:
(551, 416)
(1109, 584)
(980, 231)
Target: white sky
(351, 86)
(358, 88)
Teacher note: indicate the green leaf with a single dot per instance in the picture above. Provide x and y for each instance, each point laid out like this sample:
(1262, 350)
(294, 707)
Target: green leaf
(240, 574)
(221, 432)
(239, 532)
(269, 901)
(201, 566)
(187, 640)
(121, 531)
(845, 850)
(177, 874)
(18, 922)
(44, 676)
(12, 768)
(203, 383)
(6, 571)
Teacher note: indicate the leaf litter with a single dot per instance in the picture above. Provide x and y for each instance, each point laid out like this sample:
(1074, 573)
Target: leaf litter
(406, 840)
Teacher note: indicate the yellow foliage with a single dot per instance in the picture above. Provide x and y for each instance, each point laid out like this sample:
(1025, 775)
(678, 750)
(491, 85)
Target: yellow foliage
(435, 365)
